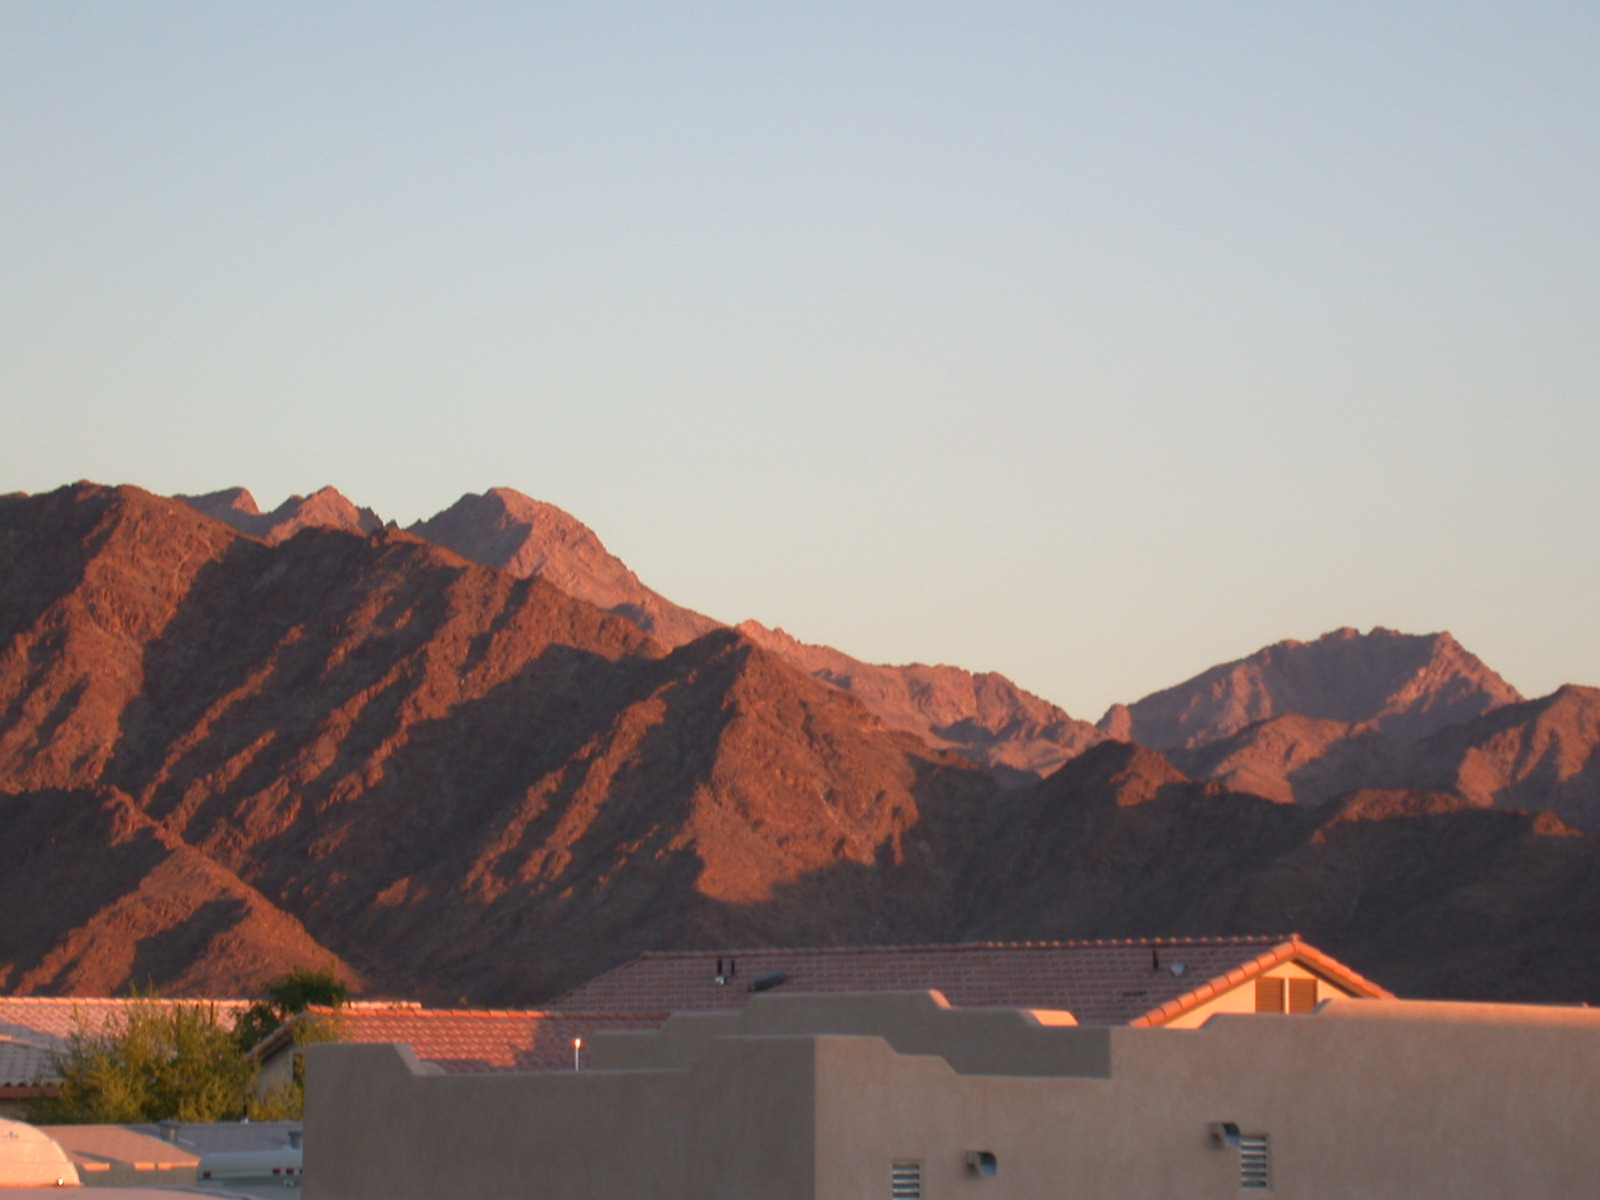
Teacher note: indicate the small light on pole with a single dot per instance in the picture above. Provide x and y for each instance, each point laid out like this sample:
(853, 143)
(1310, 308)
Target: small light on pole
(577, 1044)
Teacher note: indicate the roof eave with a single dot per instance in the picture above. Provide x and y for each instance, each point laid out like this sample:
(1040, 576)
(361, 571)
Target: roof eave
(1292, 949)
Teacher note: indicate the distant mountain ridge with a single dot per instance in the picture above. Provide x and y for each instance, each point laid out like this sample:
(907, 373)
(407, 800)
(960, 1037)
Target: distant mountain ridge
(984, 715)
(1296, 722)
(326, 508)
(220, 755)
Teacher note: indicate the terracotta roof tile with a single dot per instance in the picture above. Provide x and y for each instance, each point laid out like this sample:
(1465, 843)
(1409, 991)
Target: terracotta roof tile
(25, 1065)
(471, 1041)
(50, 1020)
(1100, 983)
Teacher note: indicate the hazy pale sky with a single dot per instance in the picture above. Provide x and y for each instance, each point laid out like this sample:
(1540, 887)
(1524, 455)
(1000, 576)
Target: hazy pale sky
(1090, 343)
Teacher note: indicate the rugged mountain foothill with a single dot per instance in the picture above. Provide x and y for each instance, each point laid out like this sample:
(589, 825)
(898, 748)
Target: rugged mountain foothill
(229, 748)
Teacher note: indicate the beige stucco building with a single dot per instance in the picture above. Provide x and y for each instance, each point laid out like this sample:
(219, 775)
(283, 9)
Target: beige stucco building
(898, 1096)
(1169, 981)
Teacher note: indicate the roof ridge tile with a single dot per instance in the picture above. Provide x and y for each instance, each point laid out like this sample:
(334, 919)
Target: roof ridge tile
(908, 947)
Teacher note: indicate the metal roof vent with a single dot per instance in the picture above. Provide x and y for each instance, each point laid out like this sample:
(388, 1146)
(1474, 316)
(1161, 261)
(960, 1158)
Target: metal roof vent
(1255, 1167)
(905, 1180)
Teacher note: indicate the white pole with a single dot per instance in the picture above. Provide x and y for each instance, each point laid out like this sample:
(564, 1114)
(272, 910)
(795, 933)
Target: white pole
(577, 1044)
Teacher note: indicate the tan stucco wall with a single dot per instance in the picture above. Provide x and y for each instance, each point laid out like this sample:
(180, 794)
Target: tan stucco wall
(382, 1126)
(1242, 999)
(801, 1097)
(1414, 1103)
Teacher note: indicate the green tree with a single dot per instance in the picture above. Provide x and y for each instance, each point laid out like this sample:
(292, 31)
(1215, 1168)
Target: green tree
(158, 1062)
(285, 999)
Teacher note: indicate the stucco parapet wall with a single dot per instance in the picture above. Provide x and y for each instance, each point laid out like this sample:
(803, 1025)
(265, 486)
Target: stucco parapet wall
(1436, 1012)
(973, 1041)
(379, 1120)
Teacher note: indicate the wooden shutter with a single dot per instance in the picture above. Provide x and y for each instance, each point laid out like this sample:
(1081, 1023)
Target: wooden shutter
(1269, 995)
(1302, 995)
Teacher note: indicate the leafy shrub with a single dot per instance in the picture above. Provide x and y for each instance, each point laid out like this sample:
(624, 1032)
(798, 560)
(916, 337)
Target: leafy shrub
(157, 1062)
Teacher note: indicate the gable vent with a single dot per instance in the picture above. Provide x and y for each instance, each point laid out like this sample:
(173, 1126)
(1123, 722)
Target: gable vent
(1269, 994)
(1302, 995)
(1254, 1165)
(905, 1181)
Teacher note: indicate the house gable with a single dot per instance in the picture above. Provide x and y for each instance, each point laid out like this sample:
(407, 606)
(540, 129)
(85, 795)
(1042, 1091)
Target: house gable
(1290, 978)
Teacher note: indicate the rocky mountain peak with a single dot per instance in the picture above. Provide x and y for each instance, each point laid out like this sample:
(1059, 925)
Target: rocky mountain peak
(529, 538)
(1404, 685)
(325, 508)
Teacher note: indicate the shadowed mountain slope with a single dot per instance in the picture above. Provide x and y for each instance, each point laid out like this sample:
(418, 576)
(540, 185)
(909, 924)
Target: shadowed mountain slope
(98, 897)
(1542, 753)
(1534, 754)
(1425, 892)
(1295, 759)
(1402, 685)
(458, 781)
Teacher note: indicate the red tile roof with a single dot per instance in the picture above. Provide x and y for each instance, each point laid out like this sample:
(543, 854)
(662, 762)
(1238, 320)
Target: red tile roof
(50, 1020)
(471, 1041)
(23, 1065)
(1100, 983)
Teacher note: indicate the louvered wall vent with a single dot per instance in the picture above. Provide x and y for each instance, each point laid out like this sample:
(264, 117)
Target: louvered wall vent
(905, 1181)
(1255, 1168)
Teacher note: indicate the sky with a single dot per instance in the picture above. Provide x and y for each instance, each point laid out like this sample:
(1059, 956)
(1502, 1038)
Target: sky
(1092, 343)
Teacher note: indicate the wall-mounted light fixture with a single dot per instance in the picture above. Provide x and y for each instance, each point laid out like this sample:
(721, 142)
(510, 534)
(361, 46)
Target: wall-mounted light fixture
(982, 1163)
(1224, 1133)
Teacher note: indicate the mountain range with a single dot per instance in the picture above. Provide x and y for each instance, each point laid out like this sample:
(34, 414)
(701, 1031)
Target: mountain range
(479, 759)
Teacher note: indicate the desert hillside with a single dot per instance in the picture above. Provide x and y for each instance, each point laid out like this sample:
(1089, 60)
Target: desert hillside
(225, 751)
